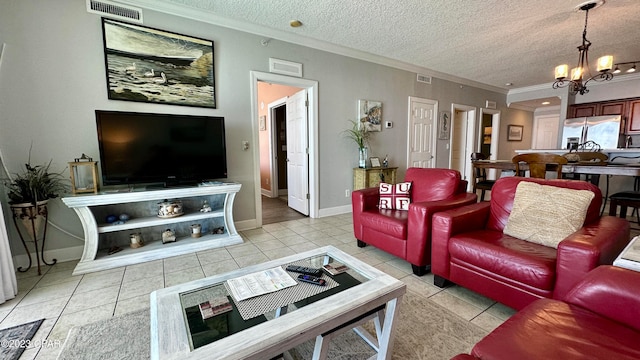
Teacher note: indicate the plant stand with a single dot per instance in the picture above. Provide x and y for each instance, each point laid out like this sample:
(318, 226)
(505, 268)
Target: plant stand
(32, 217)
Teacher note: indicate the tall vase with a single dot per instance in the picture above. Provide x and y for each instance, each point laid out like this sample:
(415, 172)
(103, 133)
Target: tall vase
(363, 152)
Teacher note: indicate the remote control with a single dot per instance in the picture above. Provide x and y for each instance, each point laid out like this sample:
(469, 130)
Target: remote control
(305, 270)
(312, 280)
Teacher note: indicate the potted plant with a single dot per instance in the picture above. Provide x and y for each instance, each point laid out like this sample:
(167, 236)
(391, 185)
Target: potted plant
(360, 136)
(36, 184)
(29, 192)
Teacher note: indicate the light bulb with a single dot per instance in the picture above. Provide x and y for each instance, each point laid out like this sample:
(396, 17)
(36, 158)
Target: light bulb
(633, 69)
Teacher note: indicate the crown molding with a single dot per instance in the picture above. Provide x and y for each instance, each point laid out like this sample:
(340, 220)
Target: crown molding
(211, 18)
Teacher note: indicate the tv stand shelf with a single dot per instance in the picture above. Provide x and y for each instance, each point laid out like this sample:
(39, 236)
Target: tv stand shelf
(142, 208)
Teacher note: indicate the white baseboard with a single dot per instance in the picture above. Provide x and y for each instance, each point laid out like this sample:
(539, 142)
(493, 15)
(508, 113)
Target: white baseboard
(62, 255)
(338, 210)
(246, 224)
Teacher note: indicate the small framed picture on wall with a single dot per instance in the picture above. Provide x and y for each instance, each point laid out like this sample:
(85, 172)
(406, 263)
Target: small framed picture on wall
(514, 132)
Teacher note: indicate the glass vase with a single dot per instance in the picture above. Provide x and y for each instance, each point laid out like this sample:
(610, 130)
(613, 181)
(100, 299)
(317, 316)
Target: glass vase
(362, 161)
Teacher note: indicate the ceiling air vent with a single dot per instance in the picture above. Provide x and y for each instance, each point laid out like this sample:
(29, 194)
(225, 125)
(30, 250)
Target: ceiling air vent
(285, 67)
(423, 79)
(113, 10)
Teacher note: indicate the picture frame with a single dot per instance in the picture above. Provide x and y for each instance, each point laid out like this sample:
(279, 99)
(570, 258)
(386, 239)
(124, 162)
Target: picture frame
(150, 65)
(375, 162)
(370, 114)
(514, 132)
(263, 123)
(444, 125)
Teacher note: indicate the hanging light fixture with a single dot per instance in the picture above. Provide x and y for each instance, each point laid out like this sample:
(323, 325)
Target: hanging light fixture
(577, 82)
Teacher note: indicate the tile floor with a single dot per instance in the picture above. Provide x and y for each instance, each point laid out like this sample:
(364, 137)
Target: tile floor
(66, 301)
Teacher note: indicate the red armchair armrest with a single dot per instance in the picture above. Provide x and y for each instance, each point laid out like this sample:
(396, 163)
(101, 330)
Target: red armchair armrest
(611, 292)
(419, 226)
(449, 223)
(595, 244)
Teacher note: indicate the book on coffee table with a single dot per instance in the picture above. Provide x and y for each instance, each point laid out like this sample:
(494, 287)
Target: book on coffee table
(214, 307)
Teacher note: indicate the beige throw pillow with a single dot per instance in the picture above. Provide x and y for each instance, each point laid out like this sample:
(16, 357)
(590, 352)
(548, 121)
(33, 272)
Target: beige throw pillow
(545, 214)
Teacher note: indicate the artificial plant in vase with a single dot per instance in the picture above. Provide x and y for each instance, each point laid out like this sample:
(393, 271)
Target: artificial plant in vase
(360, 136)
(29, 192)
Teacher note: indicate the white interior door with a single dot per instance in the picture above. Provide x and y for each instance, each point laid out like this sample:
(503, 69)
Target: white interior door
(462, 139)
(297, 152)
(545, 132)
(422, 133)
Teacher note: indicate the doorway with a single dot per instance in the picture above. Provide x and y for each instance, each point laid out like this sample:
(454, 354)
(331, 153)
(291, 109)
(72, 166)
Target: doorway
(308, 139)
(489, 130)
(462, 139)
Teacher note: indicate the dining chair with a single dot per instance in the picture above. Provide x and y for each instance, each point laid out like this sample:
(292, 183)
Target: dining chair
(482, 183)
(538, 164)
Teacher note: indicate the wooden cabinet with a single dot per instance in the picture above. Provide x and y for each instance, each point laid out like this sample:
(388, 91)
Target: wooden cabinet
(634, 117)
(372, 177)
(582, 110)
(629, 109)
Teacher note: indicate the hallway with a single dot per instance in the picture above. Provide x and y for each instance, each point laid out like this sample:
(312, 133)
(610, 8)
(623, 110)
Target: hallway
(276, 210)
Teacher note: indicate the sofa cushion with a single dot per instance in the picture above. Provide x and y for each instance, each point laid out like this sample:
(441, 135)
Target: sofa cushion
(395, 197)
(545, 214)
(550, 329)
(390, 222)
(510, 259)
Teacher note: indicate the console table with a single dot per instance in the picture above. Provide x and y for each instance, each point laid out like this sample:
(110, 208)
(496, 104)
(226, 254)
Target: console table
(142, 208)
(372, 177)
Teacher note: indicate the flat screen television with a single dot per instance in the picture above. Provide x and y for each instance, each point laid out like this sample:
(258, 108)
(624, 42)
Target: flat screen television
(138, 148)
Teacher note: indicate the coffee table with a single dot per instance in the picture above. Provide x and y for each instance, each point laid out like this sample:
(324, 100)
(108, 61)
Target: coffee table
(363, 293)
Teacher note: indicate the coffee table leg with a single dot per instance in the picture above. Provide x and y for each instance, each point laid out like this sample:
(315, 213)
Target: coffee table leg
(385, 337)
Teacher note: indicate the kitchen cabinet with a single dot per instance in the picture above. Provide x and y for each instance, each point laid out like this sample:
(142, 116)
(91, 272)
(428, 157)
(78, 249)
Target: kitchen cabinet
(629, 109)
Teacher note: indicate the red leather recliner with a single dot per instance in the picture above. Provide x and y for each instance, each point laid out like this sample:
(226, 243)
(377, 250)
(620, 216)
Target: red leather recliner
(407, 234)
(470, 249)
(598, 319)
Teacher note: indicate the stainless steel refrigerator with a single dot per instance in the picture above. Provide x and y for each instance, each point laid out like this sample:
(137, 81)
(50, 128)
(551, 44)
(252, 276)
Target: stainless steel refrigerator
(603, 130)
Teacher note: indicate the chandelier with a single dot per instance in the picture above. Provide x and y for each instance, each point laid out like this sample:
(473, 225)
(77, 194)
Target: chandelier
(577, 82)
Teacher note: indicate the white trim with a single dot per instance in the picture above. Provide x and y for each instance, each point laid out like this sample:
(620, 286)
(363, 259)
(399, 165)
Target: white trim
(470, 144)
(312, 93)
(212, 18)
(495, 137)
(338, 210)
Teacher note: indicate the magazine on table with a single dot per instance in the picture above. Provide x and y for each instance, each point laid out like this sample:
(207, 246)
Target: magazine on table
(260, 283)
(632, 252)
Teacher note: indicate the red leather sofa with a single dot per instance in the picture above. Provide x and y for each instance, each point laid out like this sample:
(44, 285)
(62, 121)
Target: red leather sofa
(470, 249)
(598, 319)
(407, 234)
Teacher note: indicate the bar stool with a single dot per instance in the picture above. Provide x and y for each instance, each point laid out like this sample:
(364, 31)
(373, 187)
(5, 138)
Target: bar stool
(625, 199)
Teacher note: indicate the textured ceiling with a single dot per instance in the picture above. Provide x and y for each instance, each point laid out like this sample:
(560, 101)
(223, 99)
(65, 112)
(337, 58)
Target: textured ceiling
(492, 42)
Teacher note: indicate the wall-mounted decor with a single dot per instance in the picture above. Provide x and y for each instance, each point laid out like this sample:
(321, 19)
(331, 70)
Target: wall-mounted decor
(444, 125)
(150, 65)
(370, 114)
(263, 123)
(514, 132)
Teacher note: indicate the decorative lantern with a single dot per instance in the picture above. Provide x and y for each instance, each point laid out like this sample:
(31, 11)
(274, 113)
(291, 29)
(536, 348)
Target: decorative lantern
(84, 175)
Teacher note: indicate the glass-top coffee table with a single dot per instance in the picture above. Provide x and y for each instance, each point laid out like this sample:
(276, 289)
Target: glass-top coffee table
(265, 326)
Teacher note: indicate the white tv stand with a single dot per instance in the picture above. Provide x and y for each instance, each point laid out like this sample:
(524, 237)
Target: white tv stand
(142, 207)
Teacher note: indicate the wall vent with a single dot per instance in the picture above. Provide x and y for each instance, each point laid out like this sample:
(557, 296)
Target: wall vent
(113, 10)
(423, 79)
(284, 67)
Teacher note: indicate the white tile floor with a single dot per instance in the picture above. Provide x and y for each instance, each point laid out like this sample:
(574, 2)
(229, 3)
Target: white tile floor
(66, 301)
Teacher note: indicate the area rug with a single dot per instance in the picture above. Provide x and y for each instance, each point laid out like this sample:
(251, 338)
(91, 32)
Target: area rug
(425, 331)
(14, 340)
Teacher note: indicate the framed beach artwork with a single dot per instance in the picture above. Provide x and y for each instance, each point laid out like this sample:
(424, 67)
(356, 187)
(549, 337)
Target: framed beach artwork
(370, 114)
(150, 65)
